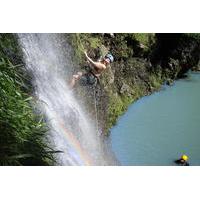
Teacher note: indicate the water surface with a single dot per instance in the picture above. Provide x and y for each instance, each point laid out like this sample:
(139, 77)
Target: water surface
(159, 128)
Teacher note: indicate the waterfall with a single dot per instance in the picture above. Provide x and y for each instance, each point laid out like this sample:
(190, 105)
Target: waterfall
(47, 57)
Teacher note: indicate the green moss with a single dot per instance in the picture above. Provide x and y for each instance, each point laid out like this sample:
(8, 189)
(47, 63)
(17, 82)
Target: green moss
(135, 72)
(146, 39)
(92, 43)
(127, 100)
(116, 108)
(118, 104)
(155, 81)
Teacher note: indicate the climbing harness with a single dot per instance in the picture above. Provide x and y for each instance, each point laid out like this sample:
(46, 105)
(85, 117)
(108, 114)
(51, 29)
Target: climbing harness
(88, 79)
(106, 56)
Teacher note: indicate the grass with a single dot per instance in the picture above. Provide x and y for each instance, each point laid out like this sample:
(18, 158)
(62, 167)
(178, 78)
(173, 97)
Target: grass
(23, 138)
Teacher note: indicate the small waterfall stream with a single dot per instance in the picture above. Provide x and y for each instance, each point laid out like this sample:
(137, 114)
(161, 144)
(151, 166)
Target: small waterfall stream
(47, 57)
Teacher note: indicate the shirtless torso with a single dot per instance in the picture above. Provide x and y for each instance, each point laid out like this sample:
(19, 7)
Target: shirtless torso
(96, 70)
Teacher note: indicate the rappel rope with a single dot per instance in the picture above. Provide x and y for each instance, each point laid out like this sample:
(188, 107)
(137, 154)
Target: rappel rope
(94, 92)
(95, 108)
(70, 137)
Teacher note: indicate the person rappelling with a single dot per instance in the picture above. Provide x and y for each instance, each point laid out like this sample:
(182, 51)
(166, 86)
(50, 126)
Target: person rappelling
(96, 68)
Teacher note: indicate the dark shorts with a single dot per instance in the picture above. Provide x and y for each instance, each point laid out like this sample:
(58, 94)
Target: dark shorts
(88, 79)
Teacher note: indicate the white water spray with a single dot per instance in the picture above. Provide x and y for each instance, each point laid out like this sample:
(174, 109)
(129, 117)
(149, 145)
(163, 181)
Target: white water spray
(47, 57)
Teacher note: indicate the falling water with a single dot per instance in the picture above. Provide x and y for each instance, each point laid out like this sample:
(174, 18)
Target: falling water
(47, 57)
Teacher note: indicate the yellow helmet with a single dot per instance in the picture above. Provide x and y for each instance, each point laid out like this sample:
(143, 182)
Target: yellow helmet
(184, 157)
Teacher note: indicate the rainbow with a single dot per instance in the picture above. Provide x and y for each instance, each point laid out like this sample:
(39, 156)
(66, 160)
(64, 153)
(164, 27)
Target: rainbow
(75, 143)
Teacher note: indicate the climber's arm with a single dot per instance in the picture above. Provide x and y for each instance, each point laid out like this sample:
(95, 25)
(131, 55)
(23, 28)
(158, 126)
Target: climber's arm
(96, 65)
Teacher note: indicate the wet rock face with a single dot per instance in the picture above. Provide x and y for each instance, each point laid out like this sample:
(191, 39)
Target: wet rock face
(142, 63)
(141, 66)
(125, 89)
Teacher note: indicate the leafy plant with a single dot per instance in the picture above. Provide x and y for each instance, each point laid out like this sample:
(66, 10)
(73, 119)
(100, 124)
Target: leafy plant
(23, 138)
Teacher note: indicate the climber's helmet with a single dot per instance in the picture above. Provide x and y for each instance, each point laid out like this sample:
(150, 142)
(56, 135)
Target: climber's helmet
(109, 58)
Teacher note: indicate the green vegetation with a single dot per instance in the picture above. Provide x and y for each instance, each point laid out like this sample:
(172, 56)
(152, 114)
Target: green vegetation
(9, 48)
(115, 110)
(145, 38)
(195, 36)
(85, 42)
(23, 138)
(155, 81)
(117, 106)
(143, 62)
(129, 50)
(128, 45)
